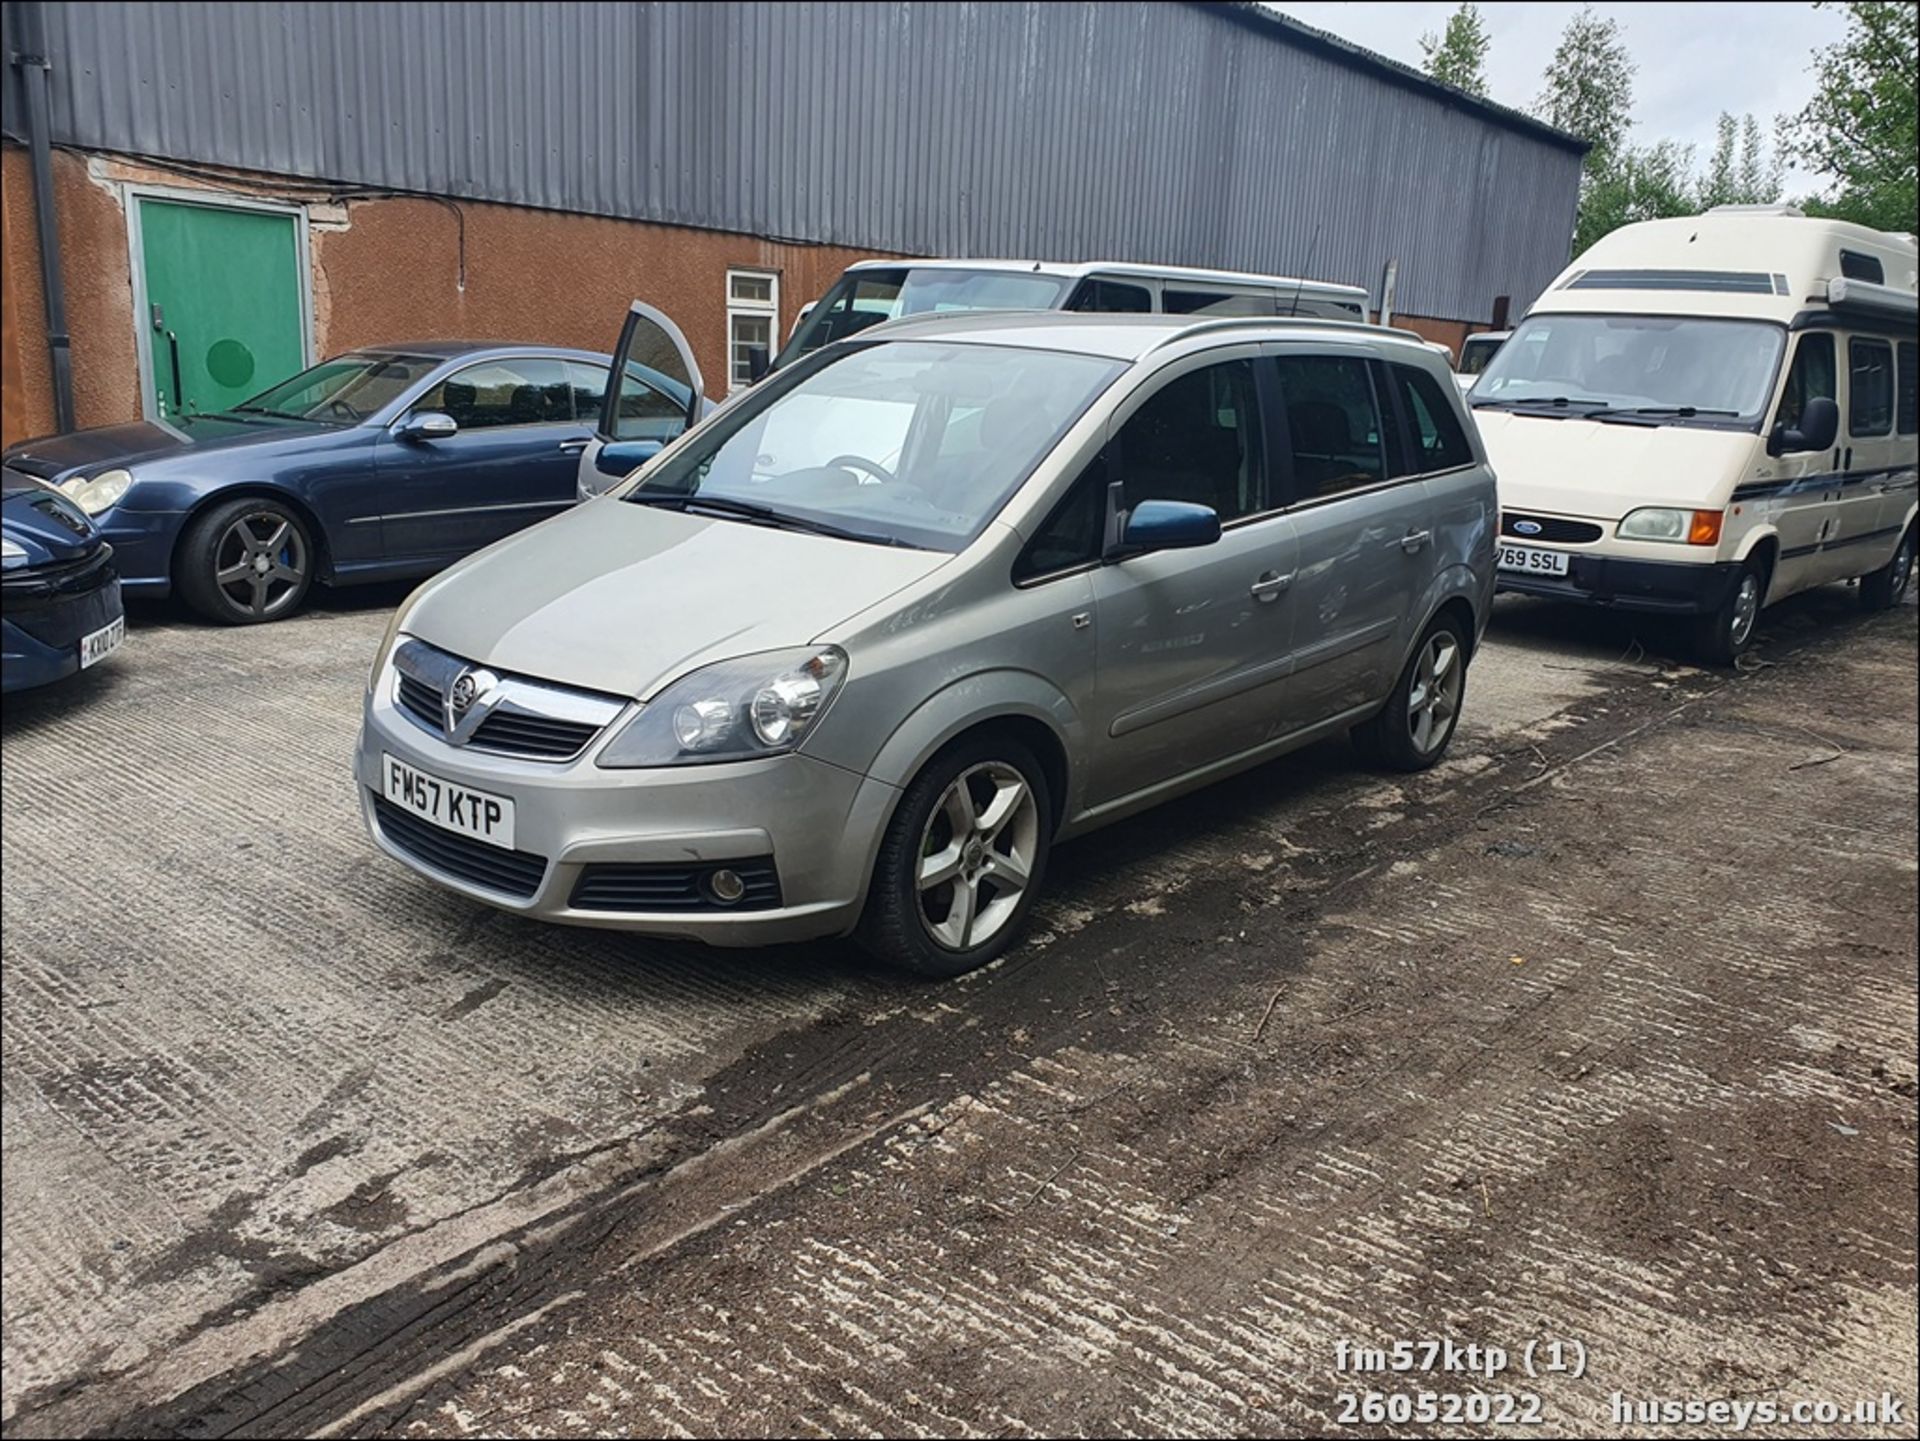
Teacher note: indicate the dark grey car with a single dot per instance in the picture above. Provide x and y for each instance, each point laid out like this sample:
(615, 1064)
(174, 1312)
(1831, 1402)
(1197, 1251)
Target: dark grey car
(852, 654)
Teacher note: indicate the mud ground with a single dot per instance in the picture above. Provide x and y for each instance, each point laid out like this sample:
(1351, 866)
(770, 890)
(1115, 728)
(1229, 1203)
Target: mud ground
(1603, 1033)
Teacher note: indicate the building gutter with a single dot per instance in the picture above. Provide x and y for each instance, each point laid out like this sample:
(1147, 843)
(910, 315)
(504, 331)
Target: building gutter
(30, 59)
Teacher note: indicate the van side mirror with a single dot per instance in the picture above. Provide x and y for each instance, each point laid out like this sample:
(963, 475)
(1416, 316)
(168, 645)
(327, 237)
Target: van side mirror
(425, 425)
(1167, 525)
(1819, 426)
(758, 364)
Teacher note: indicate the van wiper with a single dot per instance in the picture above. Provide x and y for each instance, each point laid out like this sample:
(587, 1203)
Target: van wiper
(1680, 412)
(1557, 404)
(767, 515)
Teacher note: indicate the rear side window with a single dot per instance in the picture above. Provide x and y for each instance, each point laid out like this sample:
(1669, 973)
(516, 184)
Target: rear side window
(1333, 424)
(1437, 438)
(1870, 389)
(1811, 375)
(1111, 297)
(1216, 302)
(1909, 384)
(1856, 266)
(1197, 439)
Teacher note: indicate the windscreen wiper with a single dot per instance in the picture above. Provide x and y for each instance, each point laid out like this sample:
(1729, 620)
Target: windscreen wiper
(767, 515)
(1681, 412)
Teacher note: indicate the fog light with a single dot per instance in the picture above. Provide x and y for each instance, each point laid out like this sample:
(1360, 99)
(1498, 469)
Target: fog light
(727, 887)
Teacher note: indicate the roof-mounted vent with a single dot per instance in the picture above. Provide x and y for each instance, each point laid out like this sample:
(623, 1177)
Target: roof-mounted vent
(1778, 209)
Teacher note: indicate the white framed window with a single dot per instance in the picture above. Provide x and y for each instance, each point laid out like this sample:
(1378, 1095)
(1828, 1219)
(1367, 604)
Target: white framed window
(753, 318)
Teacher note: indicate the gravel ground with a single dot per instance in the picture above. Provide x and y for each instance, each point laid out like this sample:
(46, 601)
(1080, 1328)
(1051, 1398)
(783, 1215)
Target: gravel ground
(1603, 1032)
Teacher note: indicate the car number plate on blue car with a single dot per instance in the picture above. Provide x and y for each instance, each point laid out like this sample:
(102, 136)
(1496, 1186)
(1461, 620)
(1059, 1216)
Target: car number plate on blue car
(455, 808)
(103, 642)
(1532, 560)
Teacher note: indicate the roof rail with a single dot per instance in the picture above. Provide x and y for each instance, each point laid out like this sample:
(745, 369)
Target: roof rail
(1317, 322)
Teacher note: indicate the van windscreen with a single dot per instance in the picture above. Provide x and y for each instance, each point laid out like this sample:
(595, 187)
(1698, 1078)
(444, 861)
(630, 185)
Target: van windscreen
(865, 297)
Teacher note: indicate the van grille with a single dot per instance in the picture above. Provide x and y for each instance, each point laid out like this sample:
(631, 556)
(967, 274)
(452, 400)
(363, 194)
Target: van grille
(1567, 532)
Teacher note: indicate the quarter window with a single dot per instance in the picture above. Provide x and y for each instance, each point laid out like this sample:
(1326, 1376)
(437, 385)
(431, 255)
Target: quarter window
(498, 393)
(753, 311)
(1216, 302)
(1439, 442)
(1333, 424)
(1197, 439)
(1909, 383)
(1811, 376)
(1870, 388)
(1071, 535)
(1111, 297)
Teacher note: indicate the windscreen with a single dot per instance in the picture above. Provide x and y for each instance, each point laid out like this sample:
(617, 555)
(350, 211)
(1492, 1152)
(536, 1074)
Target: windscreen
(341, 391)
(915, 442)
(1658, 365)
(866, 297)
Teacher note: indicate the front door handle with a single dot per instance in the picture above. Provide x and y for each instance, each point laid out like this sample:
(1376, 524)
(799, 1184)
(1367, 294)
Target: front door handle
(1414, 539)
(574, 447)
(1269, 586)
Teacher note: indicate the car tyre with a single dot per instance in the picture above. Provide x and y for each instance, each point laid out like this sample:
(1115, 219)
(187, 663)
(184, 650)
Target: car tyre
(961, 861)
(1413, 729)
(1887, 587)
(1722, 635)
(246, 561)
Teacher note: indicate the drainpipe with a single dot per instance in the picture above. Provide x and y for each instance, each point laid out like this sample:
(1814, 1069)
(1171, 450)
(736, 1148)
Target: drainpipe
(31, 61)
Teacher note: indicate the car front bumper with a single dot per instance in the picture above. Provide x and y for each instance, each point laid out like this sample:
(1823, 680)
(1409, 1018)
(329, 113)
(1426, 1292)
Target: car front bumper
(142, 542)
(43, 617)
(1659, 587)
(818, 823)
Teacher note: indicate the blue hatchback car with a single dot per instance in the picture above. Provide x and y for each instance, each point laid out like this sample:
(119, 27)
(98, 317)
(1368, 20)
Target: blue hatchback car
(374, 465)
(59, 597)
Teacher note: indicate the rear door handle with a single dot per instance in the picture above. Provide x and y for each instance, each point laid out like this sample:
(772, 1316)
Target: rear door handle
(1414, 539)
(574, 447)
(1269, 586)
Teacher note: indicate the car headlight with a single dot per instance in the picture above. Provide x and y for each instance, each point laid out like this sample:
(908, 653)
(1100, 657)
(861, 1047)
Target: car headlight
(758, 705)
(1675, 527)
(12, 555)
(94, 494)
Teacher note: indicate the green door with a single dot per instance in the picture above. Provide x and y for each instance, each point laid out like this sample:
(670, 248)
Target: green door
(223, 303)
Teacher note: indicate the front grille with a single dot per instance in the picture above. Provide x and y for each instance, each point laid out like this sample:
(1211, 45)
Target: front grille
(1568, 532)
(513, 873)
(420, 700)
(531, 735)
(674, 887)
(521, 717)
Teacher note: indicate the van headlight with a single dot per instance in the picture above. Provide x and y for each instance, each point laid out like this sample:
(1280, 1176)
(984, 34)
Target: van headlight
(94, 494)
(1675, 527)
(758, 705)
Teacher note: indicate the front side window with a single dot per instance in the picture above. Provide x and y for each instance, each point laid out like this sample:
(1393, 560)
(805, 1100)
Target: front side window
(1869, 388)
(504, 392)
(753, 312)
(1196, 439)
(342, 391)
(1333, 424)
(910, 442)
(1672, 369)
(1111, 297)
(1439, 441)
(1909, 385)
(1811, 375)
(863, 298)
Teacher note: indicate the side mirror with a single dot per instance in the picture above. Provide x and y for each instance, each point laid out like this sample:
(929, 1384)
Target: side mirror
(758, 364)
(1168, 525)
(624, 457)
(1818, 428)
(425, 425)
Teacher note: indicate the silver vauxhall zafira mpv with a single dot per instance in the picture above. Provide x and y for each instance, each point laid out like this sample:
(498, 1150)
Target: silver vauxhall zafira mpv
(850, 656)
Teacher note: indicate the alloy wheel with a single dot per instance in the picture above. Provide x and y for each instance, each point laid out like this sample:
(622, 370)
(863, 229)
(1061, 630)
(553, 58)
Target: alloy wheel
(260, 563)
(977, 855)
(1433, 701)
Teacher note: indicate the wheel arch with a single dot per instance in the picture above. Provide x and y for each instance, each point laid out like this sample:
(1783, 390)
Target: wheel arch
(253, 490)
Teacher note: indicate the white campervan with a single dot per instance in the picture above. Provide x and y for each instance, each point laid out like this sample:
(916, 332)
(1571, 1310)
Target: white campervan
(1704, 415)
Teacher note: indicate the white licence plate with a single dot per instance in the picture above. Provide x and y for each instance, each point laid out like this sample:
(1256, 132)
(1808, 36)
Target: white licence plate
(473, 813)
(103, 642)
(1532, 560)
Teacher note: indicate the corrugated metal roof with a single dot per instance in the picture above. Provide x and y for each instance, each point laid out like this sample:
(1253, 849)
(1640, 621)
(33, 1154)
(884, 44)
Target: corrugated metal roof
(1193, 134)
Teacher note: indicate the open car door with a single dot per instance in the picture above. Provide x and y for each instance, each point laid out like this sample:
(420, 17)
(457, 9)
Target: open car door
(653, 394)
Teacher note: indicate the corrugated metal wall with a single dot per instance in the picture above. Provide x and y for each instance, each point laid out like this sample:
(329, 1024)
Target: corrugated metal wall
(1134, 131)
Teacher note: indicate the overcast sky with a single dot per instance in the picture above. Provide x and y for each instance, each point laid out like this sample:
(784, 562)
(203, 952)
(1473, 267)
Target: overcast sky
(1695, 60)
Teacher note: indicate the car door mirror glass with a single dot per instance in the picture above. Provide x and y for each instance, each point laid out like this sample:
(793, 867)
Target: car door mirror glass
(1169, 525)
(424, 425)
(1819, 427)
(623, 457)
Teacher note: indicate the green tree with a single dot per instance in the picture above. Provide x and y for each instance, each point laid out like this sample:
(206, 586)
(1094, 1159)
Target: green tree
(1859, 128)
(1589, 87)
(1740, 172)
(1458, 55)
(1650, 183)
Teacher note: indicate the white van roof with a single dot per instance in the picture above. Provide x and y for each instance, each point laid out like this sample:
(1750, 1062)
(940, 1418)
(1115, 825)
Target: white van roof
(1760, 262)
(1080, 269)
